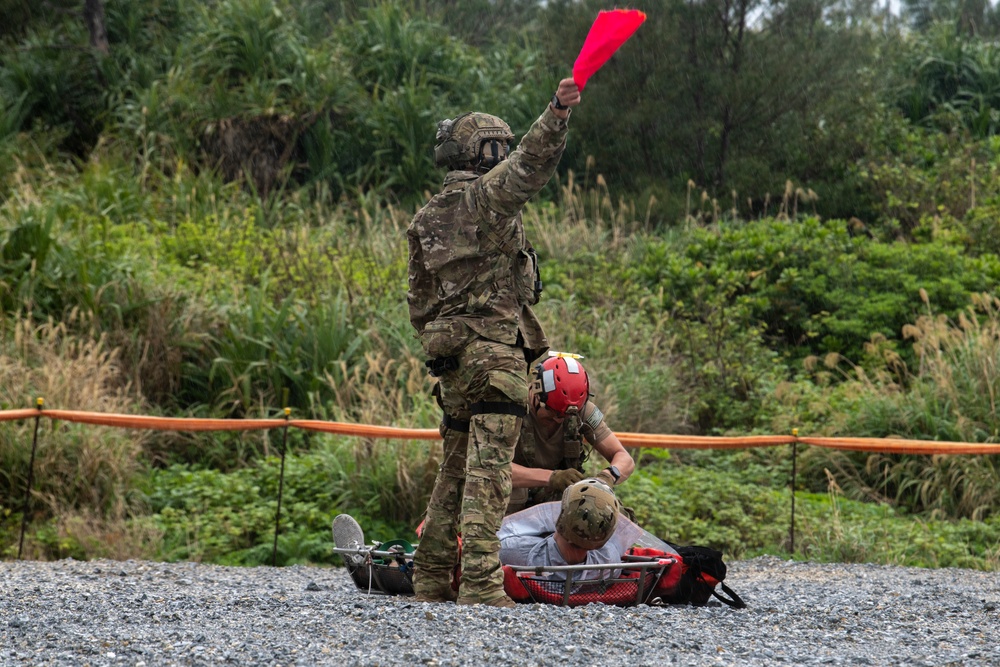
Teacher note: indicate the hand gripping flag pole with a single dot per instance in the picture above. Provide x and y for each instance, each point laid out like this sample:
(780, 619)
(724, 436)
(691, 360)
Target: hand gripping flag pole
(610, 30)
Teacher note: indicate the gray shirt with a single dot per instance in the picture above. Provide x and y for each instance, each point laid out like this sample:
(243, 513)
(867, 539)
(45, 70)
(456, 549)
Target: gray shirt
(528, 538)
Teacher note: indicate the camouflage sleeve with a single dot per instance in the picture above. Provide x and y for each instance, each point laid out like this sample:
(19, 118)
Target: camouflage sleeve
(509, 185)
(593, 426)
(420, 296)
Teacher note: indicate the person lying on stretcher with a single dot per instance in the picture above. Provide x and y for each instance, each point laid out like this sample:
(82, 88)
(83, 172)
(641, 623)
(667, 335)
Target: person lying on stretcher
(587, 526)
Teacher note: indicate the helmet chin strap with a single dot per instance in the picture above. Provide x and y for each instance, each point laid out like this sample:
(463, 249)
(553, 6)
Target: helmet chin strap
(488, 159)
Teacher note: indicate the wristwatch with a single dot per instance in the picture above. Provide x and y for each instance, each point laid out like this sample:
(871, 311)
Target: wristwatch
(557, 104)
(615, 472)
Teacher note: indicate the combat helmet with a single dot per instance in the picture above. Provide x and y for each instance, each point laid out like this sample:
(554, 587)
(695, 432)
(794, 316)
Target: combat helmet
(589, 514)
(473, 140)
(562, 384)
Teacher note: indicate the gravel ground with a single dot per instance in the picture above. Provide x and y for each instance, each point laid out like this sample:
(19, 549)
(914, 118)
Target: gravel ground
(142, 613)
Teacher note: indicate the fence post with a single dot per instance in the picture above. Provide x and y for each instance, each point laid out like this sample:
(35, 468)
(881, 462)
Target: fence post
(791, 524)
(281, 489)
(39, 402)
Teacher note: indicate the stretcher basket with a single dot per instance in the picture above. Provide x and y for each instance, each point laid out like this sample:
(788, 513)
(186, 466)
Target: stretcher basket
(625, 584)
(381, 569)
(387, 569)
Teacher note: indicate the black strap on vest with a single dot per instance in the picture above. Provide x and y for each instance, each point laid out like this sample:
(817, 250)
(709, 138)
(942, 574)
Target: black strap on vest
(453, 424)
(498, 408)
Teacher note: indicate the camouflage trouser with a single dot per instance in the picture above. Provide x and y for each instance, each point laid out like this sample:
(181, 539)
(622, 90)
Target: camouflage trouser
(473, 484)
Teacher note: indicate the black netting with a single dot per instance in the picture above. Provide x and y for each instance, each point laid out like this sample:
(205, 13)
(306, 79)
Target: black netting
(394, 579)
(361, 574)
(376, 571)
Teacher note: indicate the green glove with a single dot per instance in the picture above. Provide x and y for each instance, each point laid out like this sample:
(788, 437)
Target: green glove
(606, 477)
(561, 479)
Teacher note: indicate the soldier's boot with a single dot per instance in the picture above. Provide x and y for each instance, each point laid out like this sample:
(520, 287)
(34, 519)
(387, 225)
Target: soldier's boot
(504, 602)
(449, 595)
(433, 570)
(433, 587)
(437, 553)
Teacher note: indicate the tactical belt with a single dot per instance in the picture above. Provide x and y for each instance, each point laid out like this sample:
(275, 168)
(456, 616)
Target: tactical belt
(441, 365)
(498, 408)
(453, 424)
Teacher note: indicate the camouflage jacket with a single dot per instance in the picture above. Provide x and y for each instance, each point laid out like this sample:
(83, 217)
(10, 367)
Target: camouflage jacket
(562, 450)
(471, 269)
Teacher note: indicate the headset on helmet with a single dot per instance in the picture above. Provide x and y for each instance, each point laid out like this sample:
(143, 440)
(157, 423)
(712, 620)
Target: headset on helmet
(562, 383)
(477, 140)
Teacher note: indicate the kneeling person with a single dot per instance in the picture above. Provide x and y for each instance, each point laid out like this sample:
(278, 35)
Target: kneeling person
(550, 449)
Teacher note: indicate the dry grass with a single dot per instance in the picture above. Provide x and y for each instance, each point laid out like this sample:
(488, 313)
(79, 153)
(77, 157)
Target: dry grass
(84, 476)
(587, 217)
(951, 396)
(84, 534)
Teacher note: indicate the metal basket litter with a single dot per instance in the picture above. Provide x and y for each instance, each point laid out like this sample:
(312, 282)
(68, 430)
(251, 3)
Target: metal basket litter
(377, 570)
(623, 584)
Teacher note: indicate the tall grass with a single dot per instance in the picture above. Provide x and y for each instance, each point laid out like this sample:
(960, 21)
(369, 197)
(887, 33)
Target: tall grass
(951, 395)
(85, 478)
(586, 218)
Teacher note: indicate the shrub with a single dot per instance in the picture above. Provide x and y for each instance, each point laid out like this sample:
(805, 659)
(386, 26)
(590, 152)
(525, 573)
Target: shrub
(206, 515)
(814, 286)
(688, 505)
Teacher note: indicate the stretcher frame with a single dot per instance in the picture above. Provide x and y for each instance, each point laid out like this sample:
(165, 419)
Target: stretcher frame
(629, 583)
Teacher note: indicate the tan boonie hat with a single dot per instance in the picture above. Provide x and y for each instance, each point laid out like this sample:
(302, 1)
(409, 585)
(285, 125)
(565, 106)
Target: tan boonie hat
(589, 514)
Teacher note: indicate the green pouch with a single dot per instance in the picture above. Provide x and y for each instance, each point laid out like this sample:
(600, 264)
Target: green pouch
(445, 338)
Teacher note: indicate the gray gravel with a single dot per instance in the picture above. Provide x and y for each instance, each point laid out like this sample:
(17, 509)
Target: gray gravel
(142, 613)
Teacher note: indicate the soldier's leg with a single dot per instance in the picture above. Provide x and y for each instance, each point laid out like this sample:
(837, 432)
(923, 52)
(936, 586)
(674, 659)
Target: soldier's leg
(437, 553)
(497, 395)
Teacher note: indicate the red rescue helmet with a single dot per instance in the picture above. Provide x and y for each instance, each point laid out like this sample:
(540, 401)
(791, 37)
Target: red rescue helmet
(562, 384)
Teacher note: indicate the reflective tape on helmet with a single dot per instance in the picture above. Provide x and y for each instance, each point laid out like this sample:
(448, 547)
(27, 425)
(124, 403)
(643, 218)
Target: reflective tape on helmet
(548, 381)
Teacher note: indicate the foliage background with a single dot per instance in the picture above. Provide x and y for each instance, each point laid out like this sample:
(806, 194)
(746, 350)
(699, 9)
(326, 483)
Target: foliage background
(771, 215)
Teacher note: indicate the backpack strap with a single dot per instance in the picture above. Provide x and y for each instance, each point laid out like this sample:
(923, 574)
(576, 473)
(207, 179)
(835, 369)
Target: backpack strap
(734, 600)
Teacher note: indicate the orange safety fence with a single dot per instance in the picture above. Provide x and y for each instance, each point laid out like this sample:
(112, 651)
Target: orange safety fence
(900, 446)
(367, 430)
(657, 440)
(652, 440)
(14, 415)
(163, 423)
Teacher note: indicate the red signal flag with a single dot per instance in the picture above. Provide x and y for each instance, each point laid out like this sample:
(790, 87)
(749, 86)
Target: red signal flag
(610, 30)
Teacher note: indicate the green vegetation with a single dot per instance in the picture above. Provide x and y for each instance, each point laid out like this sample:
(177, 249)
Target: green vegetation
(789, 223)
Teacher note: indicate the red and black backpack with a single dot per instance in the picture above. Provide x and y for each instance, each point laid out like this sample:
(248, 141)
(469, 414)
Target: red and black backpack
(701, 571)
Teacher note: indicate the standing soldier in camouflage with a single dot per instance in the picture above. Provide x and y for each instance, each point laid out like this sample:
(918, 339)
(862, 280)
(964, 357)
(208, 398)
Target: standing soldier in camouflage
(473, 278)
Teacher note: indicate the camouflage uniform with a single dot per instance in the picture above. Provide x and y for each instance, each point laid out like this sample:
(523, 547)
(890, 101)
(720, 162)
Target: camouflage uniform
(472, 281)
(563, 450)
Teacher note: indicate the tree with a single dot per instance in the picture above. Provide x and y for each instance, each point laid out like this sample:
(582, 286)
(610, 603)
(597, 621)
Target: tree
(969, 17)
(732, 94)
(93, 17)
